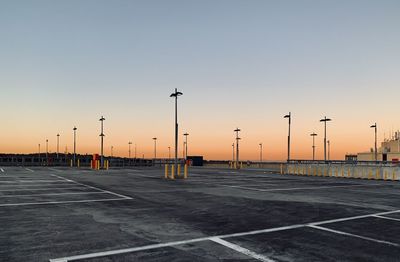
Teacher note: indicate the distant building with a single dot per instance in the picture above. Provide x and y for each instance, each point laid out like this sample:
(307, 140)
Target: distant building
(389, 150)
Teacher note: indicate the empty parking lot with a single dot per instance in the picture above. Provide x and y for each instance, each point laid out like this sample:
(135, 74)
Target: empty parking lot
(62, 214)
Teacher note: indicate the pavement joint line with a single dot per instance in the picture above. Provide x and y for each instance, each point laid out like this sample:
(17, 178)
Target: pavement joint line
(29, 169)
(92, 187)
(41, 189)
(54, 194)
(175, 243)
(354, 235)
(240, 249)
(63, 202)
(388, 218)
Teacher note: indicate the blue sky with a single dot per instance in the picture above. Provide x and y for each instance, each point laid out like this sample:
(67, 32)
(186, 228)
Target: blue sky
(239, 63)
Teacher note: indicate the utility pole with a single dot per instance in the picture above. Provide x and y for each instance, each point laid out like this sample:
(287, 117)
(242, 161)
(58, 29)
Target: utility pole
(261, 151)
(329, 150)
(58, 144)
(47, 152)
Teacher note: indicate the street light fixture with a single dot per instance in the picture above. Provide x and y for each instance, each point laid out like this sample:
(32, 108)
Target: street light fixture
(155, 147)
(175, 95)
(58, 144)
(313, 145)
(325, 120)
(237, 130)
(47, 152)
(102, 142)
(289, 116)
(74, 145)
(375, 126)
(186, 144)
(169, 154)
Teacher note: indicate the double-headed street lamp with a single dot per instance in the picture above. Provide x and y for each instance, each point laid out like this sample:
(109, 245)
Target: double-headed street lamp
(237, 130)
(186, 144)
(74, 145)
(375, 126)
(102, 142)
(313, 145)
(289, 116)
(325, 120)
(175, 95)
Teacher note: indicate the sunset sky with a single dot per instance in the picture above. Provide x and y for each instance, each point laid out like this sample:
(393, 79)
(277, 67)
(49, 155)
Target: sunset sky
(238, 63)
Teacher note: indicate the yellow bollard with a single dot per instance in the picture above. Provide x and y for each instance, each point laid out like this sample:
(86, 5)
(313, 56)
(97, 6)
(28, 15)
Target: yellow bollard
(281, 169)
(342, 172)
(98, 164)
(79, 163)
(185, 174)
(178, 173)
(370, 174)
(107, 164)
(377, 174)
(330, 172)
(315, 171)
(394, 175)
(241, 165)
(71, 163)
(166, 171)
(324, 171)
(385, 175)
(348, 173)
(337, 172)
(172, 172)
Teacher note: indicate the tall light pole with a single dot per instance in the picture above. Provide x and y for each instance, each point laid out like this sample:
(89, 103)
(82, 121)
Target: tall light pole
(313, 145)
(155, 147)
(261, 151)
(186, 144)
(237, 130)
(40, 158)
(375, 126)
(74, 145)
(329, 149)
(233, 153)
(129, 152)
(289, 116)
(58, 144)
(102, 142)
(47, 152)
(325, 120)
(175, 95)
(169, 153)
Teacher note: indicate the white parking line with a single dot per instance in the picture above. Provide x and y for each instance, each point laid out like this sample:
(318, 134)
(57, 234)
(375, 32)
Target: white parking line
(29, 169)
(42, 189)
(53, 169)
(2, 170)
(168, 244)
(388, 218)
(240, 249)
(34, 185)
(54, 194)
(62, 202)
(112, 193)
(294, 188)
(354, 235)
(32, 181)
